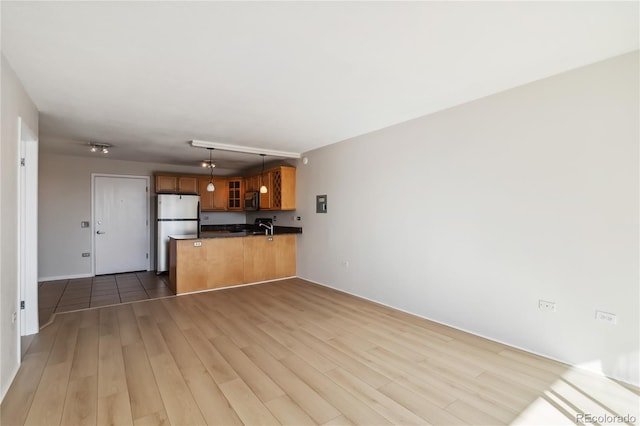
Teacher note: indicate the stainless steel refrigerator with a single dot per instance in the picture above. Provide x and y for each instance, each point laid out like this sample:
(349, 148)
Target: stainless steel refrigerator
(177, 215)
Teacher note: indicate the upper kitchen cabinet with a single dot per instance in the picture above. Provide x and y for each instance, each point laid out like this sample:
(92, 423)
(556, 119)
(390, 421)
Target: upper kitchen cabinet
(252, 183)
(266, 199)
(281, 189)
(216, 200)
(176, 184)
(235, 193)
(230, 191)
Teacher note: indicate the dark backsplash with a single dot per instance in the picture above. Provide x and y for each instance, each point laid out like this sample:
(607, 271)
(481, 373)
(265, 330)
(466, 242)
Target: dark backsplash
(240, 227)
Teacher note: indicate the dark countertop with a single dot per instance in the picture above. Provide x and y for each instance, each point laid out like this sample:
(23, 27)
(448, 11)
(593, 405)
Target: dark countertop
(234, 231)
(206, 235)
(250, 229)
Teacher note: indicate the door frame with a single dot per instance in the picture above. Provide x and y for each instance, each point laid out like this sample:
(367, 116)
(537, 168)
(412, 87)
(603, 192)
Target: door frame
(93, 210)
(28, 322)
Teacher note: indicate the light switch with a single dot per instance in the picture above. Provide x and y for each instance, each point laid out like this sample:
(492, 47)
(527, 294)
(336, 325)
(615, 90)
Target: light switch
(321, 203)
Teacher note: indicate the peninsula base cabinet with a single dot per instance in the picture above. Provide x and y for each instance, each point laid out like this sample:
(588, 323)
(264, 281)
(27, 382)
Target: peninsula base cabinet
(209, 263)
(217, 262)
(269, 257)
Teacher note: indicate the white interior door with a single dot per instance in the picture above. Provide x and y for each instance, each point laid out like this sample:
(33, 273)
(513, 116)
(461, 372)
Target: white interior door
(120, 224)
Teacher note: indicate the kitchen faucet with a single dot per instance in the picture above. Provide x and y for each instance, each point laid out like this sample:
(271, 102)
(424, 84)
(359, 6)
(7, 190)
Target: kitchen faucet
(268, 226)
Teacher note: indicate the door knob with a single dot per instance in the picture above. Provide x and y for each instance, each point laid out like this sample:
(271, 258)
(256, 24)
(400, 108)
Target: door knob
(100, 232)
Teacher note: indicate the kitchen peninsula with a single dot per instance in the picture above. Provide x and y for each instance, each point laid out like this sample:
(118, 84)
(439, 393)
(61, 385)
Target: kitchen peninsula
(219, 259)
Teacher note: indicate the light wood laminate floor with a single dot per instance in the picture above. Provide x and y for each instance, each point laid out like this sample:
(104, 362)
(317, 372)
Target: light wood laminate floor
(289, 352)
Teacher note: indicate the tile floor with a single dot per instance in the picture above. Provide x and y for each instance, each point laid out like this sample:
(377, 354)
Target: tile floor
(82, 293)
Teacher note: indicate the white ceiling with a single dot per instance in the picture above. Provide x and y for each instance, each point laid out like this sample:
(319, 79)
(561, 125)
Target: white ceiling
(148, 77)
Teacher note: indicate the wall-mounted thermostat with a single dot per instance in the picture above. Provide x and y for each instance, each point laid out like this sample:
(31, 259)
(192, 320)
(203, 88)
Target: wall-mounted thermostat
(321, 203)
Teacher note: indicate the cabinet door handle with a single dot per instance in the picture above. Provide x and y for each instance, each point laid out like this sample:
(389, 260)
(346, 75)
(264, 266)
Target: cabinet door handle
(100, 232)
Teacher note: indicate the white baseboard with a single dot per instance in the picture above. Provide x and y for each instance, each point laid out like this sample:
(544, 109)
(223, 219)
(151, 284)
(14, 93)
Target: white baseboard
(65, 277)
(581, 367)
(13, 375)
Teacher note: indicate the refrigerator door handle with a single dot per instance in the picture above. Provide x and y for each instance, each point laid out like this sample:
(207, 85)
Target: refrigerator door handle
(198, 230)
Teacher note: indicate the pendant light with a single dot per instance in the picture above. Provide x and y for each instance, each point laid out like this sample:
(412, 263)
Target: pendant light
(210, 187)
(263, 187)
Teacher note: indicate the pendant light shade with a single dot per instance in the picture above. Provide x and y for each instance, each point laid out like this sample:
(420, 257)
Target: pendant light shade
(210, 187)
(263, 187)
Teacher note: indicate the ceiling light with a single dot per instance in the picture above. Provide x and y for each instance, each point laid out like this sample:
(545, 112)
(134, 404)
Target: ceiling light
(263, 187)
(244, 149)
(210, 187)
(102, 147)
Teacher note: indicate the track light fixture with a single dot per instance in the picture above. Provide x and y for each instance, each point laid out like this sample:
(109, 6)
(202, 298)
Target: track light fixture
(99, 147)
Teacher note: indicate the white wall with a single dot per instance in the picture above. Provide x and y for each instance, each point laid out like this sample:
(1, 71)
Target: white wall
(65, 200)
(471, 215)
(15, 103)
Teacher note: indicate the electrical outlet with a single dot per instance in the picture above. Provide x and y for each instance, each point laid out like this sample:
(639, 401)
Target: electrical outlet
(197, 243)
(85, 254)
(607, 317)
(545, 305)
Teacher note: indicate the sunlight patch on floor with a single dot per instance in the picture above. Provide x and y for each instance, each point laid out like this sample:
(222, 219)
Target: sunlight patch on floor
(542, 412)
(577, 398)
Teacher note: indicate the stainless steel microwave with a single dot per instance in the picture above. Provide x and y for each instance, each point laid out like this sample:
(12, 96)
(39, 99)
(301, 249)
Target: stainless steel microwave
(251, 200)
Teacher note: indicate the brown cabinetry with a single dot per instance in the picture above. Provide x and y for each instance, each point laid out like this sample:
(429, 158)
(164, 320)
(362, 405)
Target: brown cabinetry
(202, 264)
(217, 262)
(188, 185)
(166, 183)
(252, 183)
(216, 200)
(266, 199)
(269, 257)
(229, 192)
(281, 189)
(235, 194)
(176, 184)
